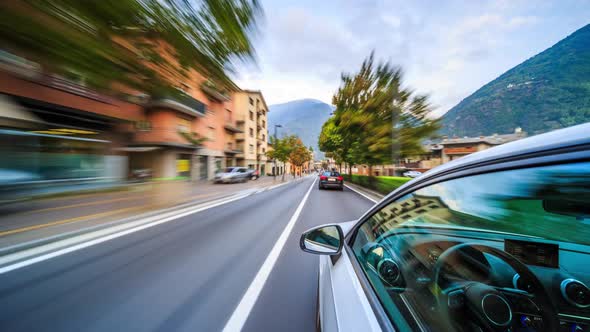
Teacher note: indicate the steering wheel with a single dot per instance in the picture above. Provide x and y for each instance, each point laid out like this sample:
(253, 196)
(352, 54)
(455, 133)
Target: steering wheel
(492, 306)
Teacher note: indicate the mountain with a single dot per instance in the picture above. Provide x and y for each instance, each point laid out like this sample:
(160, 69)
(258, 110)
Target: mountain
(548, 91)
(303, 118)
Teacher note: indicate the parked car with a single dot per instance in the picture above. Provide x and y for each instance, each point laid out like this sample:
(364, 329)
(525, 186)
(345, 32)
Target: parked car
(330, 179)
(232, 175)
(254, 174)
(412, 174)
(141, 174)
(495, 241)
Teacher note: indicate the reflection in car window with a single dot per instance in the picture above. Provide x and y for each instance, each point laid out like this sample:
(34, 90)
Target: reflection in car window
(550, 203)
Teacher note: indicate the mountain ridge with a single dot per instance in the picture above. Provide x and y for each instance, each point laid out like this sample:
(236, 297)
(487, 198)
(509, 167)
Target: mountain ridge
(548, 91)
(301, 117)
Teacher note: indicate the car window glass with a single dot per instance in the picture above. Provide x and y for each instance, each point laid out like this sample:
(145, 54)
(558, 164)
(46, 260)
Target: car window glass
(399, 245)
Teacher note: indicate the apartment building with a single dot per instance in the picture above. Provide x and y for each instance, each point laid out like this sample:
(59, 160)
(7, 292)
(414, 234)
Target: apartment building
(252, 138)
(60, 129)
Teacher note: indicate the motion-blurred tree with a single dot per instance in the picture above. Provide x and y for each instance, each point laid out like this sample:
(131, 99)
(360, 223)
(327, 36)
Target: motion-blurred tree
(376, 120)
(300, 154)
(110, 41)
(281, 149)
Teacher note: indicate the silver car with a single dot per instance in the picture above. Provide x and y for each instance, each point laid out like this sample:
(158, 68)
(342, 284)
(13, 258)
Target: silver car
(232, 175)
(495, 241)
(412, 174)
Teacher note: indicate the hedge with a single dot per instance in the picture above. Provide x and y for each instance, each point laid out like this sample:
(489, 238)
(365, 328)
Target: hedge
(382, 184)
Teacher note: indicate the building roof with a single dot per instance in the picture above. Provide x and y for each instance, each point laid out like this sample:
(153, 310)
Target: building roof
(491, 140)
(261, 97)
(562, 138)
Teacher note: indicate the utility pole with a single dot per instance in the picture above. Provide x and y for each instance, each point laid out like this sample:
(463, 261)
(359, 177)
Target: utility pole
(394, 147)
(274, 173)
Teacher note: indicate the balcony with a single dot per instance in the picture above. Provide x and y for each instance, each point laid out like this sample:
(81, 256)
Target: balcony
(230, 151)
(231, 128)
(240, 136)
(214, 92)
(178, 101)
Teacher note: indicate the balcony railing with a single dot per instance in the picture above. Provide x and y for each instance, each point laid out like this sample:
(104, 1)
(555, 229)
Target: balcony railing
(233, 151)
(211, 90)
(179, 101)
(231, 128)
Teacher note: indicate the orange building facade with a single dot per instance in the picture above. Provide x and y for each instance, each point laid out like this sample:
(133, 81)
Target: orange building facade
(72, 132)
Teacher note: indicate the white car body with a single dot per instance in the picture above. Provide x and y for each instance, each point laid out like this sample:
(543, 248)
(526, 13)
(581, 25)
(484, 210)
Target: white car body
(339, 304)
(343, 301)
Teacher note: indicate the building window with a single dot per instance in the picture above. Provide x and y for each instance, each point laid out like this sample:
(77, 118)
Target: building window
(251, 115)
(251, 101)
(263, 137)
(228, 116)
(263, 150)
(251, 132)
(263, 124)
(251, 148)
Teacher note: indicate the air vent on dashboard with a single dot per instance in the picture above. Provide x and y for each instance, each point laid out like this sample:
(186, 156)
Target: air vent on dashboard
(575, 292)
(388, 271)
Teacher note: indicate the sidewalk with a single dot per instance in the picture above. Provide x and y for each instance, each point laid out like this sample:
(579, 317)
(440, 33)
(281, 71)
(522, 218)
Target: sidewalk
(27, 221)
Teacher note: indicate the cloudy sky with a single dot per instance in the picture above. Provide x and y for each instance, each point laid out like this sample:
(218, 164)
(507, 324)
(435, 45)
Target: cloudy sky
(446, 50)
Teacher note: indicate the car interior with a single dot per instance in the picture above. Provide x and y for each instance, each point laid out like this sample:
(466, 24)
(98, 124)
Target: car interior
(448, 257)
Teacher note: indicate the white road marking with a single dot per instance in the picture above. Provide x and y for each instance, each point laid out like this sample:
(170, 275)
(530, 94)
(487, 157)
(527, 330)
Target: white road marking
(11, 262)
(360, 193)
(242, 311)
(49, 251)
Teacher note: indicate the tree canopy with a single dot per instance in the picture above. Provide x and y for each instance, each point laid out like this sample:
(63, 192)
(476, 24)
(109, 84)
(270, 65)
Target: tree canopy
(290, 149)
(376, 120)
(114, 40)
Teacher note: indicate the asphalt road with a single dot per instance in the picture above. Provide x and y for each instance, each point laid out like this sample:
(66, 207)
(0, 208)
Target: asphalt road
(30, 220)
(188, 274)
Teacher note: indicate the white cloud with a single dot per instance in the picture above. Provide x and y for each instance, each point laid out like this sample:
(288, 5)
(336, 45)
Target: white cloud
(448, 51)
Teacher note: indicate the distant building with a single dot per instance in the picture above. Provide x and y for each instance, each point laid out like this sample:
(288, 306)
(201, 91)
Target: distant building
(454, 148)
(439, 153)
(251, 115)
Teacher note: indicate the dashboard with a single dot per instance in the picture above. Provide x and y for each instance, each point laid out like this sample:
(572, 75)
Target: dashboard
(405, 263)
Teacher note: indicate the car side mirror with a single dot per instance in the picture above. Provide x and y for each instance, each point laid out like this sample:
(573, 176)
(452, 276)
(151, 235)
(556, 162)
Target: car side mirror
(322, 240)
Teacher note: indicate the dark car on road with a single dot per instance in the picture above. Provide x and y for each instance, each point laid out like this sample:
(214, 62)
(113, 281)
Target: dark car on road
(331, 180)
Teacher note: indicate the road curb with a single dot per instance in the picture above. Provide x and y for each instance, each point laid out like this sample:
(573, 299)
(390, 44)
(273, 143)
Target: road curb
(368, 194)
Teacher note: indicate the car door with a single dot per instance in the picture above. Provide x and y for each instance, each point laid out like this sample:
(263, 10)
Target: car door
(343, 305)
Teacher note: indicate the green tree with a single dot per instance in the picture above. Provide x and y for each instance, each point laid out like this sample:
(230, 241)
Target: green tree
(376, 120)
(300, 154)
(114, 40)
(281, 150)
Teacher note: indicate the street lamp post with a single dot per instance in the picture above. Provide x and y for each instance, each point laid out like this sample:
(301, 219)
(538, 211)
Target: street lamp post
(274, 173)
